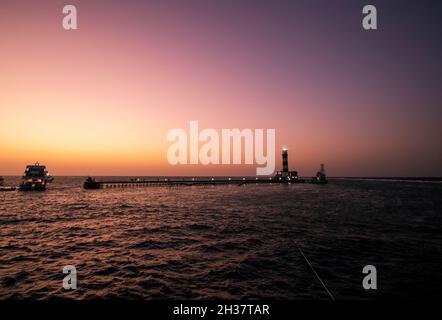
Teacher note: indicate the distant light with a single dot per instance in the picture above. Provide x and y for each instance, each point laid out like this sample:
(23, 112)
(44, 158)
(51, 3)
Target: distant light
(284, 148)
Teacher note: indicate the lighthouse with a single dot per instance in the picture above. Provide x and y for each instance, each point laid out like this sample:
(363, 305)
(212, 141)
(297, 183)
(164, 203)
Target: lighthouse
(285, 174)
(285, 160)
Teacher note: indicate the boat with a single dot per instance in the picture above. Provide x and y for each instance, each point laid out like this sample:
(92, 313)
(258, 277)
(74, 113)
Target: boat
(320, 177)
(91, 184)
(35, 178)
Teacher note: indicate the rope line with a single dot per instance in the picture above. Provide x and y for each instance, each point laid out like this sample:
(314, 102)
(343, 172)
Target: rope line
(317, 276)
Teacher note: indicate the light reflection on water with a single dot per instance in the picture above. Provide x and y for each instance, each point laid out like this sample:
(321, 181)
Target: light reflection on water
(221, 241)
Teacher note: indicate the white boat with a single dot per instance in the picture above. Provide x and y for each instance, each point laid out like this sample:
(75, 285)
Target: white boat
(35, 178)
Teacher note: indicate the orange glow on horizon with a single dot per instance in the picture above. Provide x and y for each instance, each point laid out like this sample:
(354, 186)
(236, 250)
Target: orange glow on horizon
(100, 100)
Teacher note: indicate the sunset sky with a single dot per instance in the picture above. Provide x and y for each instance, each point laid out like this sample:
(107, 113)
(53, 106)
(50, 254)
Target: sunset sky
(100, 100)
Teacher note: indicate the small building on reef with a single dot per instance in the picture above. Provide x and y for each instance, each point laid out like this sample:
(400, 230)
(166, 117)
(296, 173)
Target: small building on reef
(320, 177)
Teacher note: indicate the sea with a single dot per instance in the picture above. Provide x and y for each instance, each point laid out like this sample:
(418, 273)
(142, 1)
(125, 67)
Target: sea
(273, 241)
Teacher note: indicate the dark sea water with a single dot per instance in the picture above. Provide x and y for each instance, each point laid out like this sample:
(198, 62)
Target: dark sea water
(233, 242)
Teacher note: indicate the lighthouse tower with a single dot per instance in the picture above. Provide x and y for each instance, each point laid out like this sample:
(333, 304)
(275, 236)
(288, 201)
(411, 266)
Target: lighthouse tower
(285, 174)
(285, 160)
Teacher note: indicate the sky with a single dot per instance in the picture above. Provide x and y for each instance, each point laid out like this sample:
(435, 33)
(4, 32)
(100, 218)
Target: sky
(100, 100)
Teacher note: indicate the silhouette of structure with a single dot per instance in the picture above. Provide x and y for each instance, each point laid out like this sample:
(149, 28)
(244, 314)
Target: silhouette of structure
(320, 177)
(285, 160)
(35, 178)
(282, 177)
(285, 175)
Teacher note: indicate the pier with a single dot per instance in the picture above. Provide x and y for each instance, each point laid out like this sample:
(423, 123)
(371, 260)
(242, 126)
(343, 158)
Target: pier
(91, 183)
(281, 177)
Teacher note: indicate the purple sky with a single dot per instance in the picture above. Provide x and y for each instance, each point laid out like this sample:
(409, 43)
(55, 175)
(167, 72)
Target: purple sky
(366, 103)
